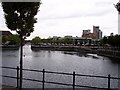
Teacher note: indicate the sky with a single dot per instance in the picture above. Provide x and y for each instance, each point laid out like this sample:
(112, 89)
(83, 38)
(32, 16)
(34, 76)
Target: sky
(71, 17)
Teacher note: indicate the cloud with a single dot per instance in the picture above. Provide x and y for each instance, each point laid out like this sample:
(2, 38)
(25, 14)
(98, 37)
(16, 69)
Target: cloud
(77, 9)
(105, 2)
(63, 17)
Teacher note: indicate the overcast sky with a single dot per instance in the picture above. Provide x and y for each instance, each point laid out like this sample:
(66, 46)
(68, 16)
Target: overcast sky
(70, 17)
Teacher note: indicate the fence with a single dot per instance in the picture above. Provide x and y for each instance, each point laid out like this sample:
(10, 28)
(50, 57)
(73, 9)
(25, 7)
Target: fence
(63, 73)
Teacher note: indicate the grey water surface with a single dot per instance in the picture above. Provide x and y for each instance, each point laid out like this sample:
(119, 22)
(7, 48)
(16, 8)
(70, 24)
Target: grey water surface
(60, 61)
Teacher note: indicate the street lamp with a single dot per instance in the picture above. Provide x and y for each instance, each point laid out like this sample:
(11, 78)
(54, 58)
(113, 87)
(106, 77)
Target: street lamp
(117, 6)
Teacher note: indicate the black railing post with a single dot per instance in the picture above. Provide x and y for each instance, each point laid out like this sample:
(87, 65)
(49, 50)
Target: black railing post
(43, 79)
(73, 80)
(17, 77)
(109, 82)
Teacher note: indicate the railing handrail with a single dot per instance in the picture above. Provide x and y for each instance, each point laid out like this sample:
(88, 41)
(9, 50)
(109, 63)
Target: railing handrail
(66, 84)
(63, 73)
(35, 70)
(7, 67)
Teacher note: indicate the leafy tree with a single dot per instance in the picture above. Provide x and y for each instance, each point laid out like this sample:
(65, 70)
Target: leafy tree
(4, 39)
(14, 40)
(68, 41)
(117, 6)
(101, 42)
(116, 40)
(96, 42)
(85, 41)
(44, 40)
(36, 40)
(104, 40)
(111, 40)
(20, 17)
(81, 42)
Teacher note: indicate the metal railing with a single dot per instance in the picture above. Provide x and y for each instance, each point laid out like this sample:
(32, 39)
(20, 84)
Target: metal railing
(62, 73)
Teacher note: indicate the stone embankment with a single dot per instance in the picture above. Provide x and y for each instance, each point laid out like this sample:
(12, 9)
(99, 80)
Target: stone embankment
(9, 46)
(62, 48)
(109, 53)
(86, 49)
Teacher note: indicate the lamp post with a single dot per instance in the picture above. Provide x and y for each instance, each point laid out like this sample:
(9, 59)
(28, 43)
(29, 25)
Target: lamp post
(117, 6)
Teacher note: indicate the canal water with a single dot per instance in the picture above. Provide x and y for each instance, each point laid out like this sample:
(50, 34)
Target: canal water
(60, 61)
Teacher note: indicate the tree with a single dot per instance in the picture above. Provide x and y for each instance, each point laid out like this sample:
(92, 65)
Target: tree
(68, 41)
(111, 40)
(104, 40)
(4, 39)
(117, 6)
(14, 40)
(36, 40)
(116, 40)
(20, 17)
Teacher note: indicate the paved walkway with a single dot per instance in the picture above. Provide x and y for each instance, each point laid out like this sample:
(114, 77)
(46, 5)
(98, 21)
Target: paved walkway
(4, 87)
(11, 88)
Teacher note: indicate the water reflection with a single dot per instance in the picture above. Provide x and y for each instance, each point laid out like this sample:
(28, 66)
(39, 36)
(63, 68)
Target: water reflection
(61, 61)
(81, 54)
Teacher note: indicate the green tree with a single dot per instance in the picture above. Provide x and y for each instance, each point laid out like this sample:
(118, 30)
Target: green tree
(20, 17)
(36, 40)
(96, 42)
(4, 39)
(14, 40)
(68, 41)
(85, 41)
(116, 40)
(111, 40)
(104, 40)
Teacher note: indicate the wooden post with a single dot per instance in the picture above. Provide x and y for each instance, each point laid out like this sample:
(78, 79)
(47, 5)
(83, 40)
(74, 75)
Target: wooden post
(73, 80)
(43, 79)
(109, 82)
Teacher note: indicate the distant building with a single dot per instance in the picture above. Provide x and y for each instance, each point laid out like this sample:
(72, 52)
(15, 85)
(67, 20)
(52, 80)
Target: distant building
(87, 34)
(6, 33)
(54, 37)
(97, 33)
(86, 31)
(100, 34)
(68, 36)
